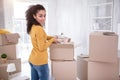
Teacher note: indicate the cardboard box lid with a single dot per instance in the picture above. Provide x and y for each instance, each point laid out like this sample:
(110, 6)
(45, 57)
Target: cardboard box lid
(12, 37)
(9, 38)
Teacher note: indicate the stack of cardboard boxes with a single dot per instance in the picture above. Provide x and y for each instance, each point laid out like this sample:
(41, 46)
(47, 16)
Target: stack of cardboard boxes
(63, 65)
(8, 46)
(102, 63)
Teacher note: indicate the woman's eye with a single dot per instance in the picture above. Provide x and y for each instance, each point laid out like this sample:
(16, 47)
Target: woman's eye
(40, 16)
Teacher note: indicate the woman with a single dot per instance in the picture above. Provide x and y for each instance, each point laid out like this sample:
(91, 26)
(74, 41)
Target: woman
(38, 59)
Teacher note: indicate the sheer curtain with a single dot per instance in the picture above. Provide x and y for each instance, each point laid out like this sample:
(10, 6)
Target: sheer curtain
(71, 18)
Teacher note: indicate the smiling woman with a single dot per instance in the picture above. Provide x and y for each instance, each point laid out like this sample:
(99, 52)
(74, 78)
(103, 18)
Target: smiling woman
(35, 17)
(19, 25)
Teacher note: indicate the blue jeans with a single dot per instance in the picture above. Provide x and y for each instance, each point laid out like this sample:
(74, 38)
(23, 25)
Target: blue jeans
(39, 72)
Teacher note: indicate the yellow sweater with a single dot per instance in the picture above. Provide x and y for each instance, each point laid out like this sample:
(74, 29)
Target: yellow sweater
(40, 42)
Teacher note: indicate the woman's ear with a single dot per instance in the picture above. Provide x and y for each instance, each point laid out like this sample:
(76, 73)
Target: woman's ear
(34, 16)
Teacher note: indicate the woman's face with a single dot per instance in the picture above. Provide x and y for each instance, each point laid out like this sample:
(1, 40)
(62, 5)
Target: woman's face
(40, 17)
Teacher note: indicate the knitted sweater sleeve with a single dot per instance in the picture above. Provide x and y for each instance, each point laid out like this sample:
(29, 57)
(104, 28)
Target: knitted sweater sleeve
(42, 41)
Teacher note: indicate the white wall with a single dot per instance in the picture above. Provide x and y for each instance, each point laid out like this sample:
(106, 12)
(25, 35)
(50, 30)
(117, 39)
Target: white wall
(52, 19)
(116, 16)
(116, 20)
(8, 14)
(1, 14)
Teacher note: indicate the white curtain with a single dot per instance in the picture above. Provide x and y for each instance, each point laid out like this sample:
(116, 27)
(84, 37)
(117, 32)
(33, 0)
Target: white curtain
(71, 18)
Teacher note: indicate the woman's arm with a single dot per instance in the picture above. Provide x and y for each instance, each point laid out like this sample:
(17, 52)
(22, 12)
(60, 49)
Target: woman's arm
(49, 37)
(42, 43)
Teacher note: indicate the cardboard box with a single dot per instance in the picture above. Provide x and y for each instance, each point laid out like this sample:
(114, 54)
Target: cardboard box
(11, 38)
(119, 65)
(3, 67)
(103, 71)
(62, 52)
(17, 64)
(82, 68)
(10, 50)
(19, 77)
(64, 70)
(95, 70)
(103, 46)
(3, 73)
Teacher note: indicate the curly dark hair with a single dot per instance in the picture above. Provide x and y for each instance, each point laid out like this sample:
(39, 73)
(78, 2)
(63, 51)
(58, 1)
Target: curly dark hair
(29, 16)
